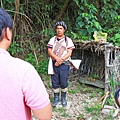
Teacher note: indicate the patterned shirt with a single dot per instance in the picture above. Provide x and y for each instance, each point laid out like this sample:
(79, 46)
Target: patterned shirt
(66, 43)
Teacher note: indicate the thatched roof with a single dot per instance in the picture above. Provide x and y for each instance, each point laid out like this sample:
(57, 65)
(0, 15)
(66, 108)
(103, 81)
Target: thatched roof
(97, 46)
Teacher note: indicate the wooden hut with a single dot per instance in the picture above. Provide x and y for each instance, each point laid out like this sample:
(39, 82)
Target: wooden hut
(100, 64)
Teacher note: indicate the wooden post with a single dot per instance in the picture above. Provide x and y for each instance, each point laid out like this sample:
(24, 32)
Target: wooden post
(107, 56)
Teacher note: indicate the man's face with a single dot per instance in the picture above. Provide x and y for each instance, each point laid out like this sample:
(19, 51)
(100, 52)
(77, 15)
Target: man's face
(60, 31)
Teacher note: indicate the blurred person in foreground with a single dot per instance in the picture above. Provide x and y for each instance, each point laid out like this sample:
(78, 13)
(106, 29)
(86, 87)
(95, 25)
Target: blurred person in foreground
(21, 88)
(60, 49)
(117, 97)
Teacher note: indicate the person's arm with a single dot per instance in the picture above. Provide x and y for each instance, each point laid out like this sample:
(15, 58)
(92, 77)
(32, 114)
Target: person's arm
(44, 113)
(67, 55)
(59, 60)
(70, 48)
(35, 94)
(52, 55)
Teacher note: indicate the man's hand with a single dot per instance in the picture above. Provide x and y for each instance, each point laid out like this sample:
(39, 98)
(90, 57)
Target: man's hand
(56, 64)
(59, 61)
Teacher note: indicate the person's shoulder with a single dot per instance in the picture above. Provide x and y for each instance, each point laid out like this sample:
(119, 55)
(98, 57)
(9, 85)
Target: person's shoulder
(52, 40)
(22, 63)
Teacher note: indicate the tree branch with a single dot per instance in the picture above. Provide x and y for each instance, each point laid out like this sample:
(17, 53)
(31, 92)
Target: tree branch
(62, 10)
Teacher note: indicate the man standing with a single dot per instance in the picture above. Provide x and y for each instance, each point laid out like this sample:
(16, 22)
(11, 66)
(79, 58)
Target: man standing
(21, 88)
(60, 49)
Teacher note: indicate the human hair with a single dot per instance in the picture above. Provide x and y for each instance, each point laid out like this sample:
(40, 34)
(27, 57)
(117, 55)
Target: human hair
(5, 21)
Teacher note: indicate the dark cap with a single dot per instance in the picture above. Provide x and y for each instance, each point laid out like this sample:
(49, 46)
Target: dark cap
(117, 96)
(61, 23)
(5, 20)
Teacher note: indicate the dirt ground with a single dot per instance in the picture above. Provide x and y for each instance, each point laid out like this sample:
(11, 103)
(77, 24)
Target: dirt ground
(82, 103)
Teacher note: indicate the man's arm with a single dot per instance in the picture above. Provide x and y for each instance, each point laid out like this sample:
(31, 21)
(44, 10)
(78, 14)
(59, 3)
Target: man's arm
(68, 54)
(52, 55)
(58, 59)
(44, 113)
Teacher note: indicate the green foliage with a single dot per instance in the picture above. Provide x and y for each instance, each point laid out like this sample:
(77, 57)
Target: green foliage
(15, 48)
(87, 90)
(83, 85)
(49, 85)
(109, 12)
(42, 64)
(42, 68)
(93, 95)
(79, 88)
(94, 109)
(117, 83)
(110, 101)
(82, 18)
(95, 76)
(8, 4)
(47, 78)
(48, 33)
(97, 16)
(80, 117)
(98, 90)
(61, 110)
(31, 59)
(72, 91)
(65, 115)
(116, 39)
(110, 18)
(86, 23)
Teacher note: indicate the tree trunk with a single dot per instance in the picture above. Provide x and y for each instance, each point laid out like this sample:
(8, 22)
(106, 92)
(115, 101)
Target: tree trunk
(62, 10)
(17, 4)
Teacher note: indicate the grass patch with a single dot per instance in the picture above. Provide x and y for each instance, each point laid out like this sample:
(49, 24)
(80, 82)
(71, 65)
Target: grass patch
(81, 116)
(95, 110)
(72, 91)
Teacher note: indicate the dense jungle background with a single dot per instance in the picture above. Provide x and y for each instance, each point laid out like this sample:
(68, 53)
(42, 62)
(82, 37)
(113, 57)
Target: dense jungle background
(34, 24)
